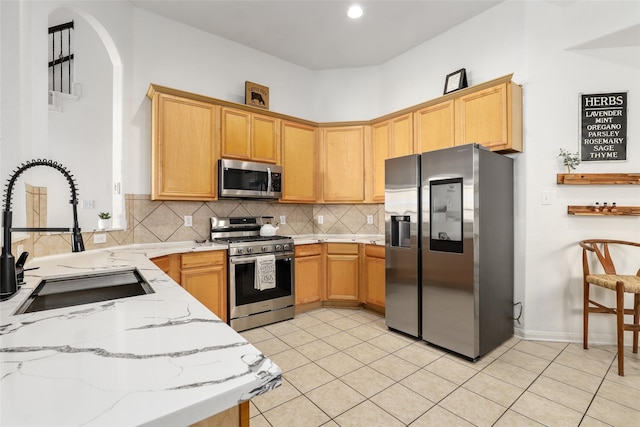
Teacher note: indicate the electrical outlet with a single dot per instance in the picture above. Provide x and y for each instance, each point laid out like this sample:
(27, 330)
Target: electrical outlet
(188, 221)
(283, 219)
(88, 204)
(99, 238)
(320, 219)
(369, 219)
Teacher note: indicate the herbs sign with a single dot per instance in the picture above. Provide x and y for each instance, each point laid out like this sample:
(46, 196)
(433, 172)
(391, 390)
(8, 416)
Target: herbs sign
(604, 127)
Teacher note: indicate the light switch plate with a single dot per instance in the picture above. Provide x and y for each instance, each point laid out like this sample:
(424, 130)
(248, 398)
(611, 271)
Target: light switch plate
(369, 219)
(283, 219)
(99, 238)
(188, 221)
(320, 219)
(546, 198)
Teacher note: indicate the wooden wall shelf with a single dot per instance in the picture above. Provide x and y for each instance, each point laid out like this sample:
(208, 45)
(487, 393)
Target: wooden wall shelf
(589, 211)
(599, 178)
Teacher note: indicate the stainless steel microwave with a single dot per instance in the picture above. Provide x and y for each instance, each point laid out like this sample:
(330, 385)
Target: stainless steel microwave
(249, 180)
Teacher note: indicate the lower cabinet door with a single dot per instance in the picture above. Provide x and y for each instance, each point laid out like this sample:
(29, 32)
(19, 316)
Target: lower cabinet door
(374, 277)
(209, 286)
(342, 277)
(309, 279)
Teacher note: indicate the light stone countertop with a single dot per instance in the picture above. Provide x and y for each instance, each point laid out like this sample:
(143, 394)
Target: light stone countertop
(160, 359)
(370, 239)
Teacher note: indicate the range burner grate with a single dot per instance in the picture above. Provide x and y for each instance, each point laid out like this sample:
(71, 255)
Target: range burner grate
(242, 239)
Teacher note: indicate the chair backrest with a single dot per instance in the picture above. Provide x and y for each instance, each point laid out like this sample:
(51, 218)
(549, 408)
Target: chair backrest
(601, 248)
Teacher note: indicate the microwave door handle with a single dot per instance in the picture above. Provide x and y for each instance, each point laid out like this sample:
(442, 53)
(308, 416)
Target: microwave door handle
(269, 181)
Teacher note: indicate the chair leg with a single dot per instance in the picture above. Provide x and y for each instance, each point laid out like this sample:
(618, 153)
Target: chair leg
(620, 326)
(636, 320)
(585, 314)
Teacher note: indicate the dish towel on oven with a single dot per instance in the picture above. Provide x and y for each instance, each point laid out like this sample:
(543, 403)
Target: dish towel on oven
(265, 272)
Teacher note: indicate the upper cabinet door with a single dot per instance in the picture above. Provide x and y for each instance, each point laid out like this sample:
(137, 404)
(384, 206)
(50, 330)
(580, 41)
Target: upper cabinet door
(236, 134)
(299, 163)
(248, 136)
(482, 117)
(183, 150)
(491, 117)
(401, 141)
(435, 127)
(343, 164)
(380, 140)
(265, 138)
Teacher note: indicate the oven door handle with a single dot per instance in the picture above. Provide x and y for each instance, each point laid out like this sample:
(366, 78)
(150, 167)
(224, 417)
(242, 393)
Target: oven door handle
(242, 260)
(249, 259)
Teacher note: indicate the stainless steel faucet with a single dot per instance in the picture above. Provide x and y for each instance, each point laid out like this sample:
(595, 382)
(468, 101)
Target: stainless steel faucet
(8, 277)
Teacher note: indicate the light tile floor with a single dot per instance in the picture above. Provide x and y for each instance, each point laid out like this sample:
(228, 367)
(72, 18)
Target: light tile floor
(343, 367)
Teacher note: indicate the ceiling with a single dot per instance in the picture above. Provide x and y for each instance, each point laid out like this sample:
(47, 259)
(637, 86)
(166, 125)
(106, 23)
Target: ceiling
(317, 34)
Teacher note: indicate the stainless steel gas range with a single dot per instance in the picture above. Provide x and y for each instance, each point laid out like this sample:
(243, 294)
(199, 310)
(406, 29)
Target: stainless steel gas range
(260, 272)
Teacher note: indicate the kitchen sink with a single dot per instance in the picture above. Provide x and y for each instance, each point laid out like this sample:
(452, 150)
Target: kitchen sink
(84, 289)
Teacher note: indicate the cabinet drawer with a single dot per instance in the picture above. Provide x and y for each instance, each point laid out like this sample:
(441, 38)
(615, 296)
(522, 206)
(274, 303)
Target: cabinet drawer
(202, 259)
(308, 250)
(374, 251)
(342, 248)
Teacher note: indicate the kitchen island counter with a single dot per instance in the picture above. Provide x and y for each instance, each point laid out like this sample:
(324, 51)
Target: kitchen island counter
(160, 359)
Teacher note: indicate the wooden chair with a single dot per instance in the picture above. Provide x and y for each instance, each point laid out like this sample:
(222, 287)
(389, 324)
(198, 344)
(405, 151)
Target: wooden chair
(621, 284)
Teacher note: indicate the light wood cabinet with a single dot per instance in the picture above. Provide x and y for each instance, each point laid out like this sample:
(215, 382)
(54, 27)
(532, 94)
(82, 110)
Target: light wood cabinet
(309, 275)
(237, 416)
(170, 264)
(323, 163)
(380, 137)
(401, 136)
(489, 114)
(204, 275)
(374, 277)
(389, 138)
(491, 117)
(343, 271)
(299, 163)
(435, 127)
(183, 149)
(343, 164)
(249, 136)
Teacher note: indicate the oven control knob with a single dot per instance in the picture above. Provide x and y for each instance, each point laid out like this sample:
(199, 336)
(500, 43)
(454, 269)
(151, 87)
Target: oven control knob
(239, 251)
(278, 247)
(264, 249)
(249, 250)
(286, 247)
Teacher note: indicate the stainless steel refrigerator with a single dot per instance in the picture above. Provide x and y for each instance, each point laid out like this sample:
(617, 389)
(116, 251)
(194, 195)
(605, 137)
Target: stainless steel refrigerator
(462, 279)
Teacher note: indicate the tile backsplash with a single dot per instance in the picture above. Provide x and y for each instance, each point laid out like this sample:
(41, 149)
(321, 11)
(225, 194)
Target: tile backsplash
(151, 221)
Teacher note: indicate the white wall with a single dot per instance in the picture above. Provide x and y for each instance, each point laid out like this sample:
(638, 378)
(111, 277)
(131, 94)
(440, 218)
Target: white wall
(556, 78)
(542, 43)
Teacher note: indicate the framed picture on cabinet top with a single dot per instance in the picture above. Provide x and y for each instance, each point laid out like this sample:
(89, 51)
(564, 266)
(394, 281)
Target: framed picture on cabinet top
(455, 81)
(256, 95)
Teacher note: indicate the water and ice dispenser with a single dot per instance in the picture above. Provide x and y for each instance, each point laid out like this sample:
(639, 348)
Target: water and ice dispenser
(400, 231)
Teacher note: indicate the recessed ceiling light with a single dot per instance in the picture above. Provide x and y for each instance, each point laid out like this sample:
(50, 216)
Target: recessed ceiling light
(354, 12)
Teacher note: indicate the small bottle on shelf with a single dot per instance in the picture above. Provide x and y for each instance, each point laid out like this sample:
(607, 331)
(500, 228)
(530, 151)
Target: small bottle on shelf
(605, 208)
(614, 208)
(597, 207)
